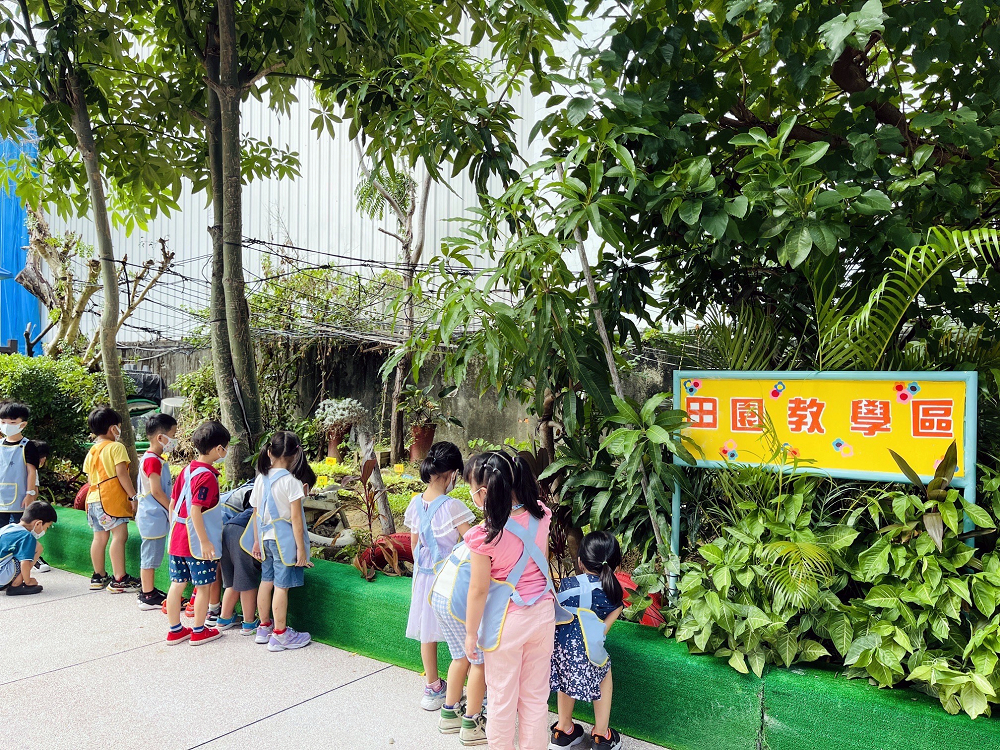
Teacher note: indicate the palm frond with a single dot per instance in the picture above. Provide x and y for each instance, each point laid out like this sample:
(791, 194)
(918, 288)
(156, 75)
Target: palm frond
(746, 341)
(796, 571)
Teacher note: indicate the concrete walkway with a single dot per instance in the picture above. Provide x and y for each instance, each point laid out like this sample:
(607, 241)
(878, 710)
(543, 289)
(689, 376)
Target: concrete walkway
(92, 671)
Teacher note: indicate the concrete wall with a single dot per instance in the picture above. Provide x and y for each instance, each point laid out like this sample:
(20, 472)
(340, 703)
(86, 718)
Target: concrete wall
(352, 371)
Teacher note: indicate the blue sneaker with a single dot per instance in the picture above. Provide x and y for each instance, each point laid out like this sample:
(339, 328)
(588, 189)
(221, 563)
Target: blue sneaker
(224, 623)
(249, 628)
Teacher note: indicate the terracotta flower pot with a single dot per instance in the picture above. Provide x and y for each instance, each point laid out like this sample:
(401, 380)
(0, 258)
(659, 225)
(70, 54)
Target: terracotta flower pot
(423, 439)
(335, 438)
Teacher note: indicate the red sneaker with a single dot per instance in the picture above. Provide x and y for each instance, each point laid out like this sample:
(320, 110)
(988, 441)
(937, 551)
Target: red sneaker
(206, 635)
(189, 606)
(175, 637)
(163, 607)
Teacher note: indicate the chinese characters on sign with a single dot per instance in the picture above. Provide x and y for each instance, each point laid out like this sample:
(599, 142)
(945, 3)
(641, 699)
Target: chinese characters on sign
(845, 424)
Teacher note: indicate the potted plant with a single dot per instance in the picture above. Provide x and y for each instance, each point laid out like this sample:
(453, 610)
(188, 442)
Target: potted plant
(336, 416)
(424, 414)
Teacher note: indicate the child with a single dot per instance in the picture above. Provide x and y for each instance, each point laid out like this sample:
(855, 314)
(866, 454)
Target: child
(111, 501)
(20, 548)
(581, 670)
(513, 616)
(42, 451)
(436, 522)
(153, 516)
(279, 537)
(240, 571)
(18, 463)
(196, 533)
(464, 716)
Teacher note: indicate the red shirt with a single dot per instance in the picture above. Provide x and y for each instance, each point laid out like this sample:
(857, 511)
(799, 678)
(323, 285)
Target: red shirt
(204, 493)
(152, 465)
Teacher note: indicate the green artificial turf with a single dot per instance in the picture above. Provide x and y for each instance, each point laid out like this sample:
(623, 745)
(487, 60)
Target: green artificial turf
(662, 693)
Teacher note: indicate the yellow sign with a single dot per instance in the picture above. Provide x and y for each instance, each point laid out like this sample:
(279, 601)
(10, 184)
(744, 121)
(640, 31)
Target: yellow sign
(842, 424)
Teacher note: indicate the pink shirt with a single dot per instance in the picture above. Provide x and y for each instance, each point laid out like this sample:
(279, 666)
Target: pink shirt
(505, 550)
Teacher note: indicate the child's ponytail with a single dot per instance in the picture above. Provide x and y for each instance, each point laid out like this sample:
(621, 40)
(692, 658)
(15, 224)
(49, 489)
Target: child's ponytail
(601, 555)
(503, 477)
(285, 444)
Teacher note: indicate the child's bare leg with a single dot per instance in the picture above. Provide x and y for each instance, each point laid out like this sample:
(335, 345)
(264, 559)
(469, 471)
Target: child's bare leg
(264, 594)
(565, 704)
(174, 596)
(200, 611)
(457, 673)
(248, 602)
(429, 656)
(280, 608)
(229, 599)
(215, 592)
(602, 707)
(119, 536)
(98, 550)
(146, 575)
(476, 691)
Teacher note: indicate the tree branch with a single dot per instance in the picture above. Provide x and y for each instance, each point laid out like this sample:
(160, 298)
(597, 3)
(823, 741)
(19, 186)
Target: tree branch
(392, 234)
(261, 74)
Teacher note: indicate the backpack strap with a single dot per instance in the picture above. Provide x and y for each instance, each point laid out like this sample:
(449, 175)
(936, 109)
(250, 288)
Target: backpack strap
(427, 531)
(531, 552)
(185, 496)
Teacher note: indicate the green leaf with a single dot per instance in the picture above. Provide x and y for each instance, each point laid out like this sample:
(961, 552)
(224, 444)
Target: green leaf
(756, 661)
(786, 645)
(984, 596)
(841, 633)
(715, 224)
(738, 662)
(864, 643)
(874, 561)
(578, 109)
(949, 514)
(711, 553)
(904, 467)
(973, 700)
(882, 596)
(978, 515)
(798, 243)
(810, 650)
(689, 212)
(738, 206)
(921, 155)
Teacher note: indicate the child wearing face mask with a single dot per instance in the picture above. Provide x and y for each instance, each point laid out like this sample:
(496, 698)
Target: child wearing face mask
(18, 463)
(111, 501)
(196, 533)
(20, 549)
(437, 523)
(153, 516)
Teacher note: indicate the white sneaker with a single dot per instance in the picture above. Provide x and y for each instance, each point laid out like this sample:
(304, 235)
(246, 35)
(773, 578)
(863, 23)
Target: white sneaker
(432, 700)
(41, 566)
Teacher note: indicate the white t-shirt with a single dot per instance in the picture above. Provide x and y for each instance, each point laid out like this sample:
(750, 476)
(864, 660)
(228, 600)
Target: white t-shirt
(444, 524)
(285, 490)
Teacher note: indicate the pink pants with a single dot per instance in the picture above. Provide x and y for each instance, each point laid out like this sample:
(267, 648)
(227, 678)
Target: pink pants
(517, 678)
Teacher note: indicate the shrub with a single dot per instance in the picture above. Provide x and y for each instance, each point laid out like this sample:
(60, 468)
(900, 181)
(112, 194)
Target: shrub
(60, 392)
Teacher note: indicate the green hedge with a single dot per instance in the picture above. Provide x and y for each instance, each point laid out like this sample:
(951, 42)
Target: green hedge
(663, 694)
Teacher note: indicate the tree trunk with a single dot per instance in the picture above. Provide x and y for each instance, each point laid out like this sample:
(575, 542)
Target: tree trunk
(366, 447)
(109, 272)
(222, 359)
(250, 429)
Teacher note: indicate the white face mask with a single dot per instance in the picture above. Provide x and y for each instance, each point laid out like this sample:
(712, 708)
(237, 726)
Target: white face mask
(168, 443)
(221, 459)
(452, 483)
(10, 430)
(116, 433)
(475, 497)
(38, 534)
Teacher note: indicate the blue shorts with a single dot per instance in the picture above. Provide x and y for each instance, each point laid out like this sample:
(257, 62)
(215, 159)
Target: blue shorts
(100, 520)
(151, 553)
(198, 572)
(272, 570)
(9, 571)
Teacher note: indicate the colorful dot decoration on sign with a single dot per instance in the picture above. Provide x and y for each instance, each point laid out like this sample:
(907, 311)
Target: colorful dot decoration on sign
(728, 451)
(793, 452)
(777, 390)
(691, 386)
(844, 449)
(905, 391)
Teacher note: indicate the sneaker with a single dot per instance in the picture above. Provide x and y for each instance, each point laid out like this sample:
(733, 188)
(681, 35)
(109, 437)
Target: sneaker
(24, 590)
(432, 700)
(451, 718)
(561, 739)
(250, 628)
(288, 640)
(223, 623)
(206, 635)
(173, 638)
(163, 608)
(41, 566)
(150, 600)
(264, 634)
(212, 617)
(98, 581)
(607, 743)
(125, 585)
(188, 607)
(473, 731)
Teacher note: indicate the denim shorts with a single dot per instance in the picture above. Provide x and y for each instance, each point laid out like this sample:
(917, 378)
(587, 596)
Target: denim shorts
(151, 553)
(9, 571)
(198, 572)
(100, 520)
(272, 570)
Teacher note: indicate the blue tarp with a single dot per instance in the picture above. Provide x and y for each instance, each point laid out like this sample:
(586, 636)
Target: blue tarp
(17, 306)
